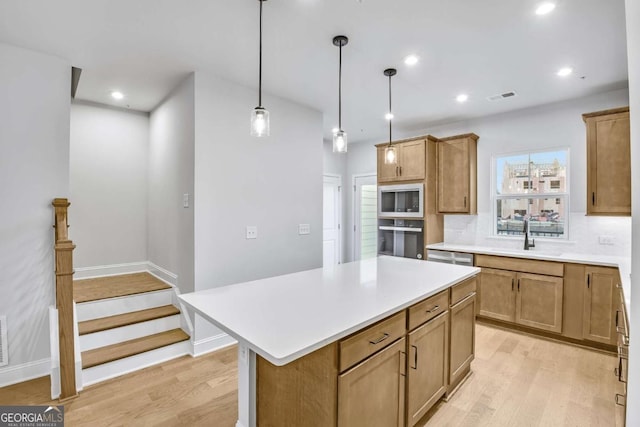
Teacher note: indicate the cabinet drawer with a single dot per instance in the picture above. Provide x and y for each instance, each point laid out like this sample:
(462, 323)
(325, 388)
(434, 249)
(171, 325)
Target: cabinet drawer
(374, 338)
(548, 268)
(462, 290)
(428, 309)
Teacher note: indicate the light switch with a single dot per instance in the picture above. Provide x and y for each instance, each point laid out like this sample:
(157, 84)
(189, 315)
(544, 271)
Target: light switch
(606, 240)
(304, 229)
(252, 232)
(185, 200)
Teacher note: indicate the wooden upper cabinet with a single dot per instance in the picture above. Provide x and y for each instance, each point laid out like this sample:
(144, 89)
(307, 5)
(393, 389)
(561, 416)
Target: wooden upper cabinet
(457, 174)
(600, 304)
(608, 162)
(411, 164)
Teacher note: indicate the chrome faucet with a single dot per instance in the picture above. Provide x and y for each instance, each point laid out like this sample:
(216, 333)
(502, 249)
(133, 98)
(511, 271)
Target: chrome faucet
(528, 245)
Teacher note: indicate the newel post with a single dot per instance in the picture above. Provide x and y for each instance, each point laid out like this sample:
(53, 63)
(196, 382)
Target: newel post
(64, 299)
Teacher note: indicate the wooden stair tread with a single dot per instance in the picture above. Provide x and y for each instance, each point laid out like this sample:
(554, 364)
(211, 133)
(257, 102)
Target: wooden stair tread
(105, 323)
(116, 286)
(124, 349)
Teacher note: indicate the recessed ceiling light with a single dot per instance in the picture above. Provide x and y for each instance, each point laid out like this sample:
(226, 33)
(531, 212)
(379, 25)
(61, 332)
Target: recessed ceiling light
(564, 72)
(463, 97)
(545, 7)
(388, 116)
(411, 60)
(334, 130)
(117, 95)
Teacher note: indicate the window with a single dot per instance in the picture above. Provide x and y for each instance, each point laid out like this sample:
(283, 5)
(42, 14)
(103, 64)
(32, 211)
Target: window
(521, 193)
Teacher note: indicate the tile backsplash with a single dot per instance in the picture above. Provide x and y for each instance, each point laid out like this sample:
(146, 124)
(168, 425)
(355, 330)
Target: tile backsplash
(587, 234)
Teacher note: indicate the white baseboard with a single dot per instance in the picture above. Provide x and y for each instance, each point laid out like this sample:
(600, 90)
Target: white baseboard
(110, 270)
(25, 372)
(162, 274)
(207, 345)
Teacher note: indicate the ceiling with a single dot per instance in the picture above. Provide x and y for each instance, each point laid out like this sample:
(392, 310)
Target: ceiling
(145, 47)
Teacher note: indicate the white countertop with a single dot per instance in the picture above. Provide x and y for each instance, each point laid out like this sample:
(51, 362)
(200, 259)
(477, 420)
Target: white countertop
(286, 317)
(623, 264)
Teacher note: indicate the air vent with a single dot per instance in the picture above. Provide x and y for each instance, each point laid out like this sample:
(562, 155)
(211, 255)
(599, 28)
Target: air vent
(4, 350)
(501, 96)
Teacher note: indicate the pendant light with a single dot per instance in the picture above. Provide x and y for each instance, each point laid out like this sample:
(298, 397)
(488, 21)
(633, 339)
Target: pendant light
(390, 153)
(259, 115)
(340, 136)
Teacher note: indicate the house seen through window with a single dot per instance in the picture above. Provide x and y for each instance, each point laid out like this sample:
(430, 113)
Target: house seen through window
(532, 186)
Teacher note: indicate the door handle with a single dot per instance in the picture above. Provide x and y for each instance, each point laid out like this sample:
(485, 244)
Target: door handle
(396, 170)
(593, 198)
(436, 308)
(465, 201)
(513, 282)
(518, 285)
(588, 280)
(400, 170)
(415, 357)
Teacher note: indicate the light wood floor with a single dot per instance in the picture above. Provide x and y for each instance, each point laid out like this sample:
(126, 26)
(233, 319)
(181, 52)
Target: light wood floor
(517, 380)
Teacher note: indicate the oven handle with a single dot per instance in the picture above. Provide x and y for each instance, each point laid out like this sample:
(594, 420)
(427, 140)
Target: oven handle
(391, 228)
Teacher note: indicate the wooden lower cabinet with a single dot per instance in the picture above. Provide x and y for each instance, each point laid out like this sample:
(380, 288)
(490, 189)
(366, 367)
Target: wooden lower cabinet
(539, 301)
(498, 294)
(532, 300)
(373, 392)
(428, 354)
(462, 339)
(600, 305)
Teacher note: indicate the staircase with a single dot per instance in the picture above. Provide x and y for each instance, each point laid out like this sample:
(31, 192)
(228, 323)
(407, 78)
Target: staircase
(126, 323)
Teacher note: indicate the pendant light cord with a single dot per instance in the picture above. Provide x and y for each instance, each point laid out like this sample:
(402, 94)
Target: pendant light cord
(390, 117)
(340, 90)
(260, 61)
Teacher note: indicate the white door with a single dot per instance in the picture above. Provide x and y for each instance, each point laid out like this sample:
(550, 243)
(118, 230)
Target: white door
(365, 217)
(332, 212)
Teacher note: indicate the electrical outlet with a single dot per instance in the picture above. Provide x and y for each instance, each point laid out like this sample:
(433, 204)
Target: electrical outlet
(606, 240)
(304, 229)
(252, 232)
(185, 200)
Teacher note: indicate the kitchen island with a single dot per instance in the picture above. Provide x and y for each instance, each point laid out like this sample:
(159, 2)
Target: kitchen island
(300, 320)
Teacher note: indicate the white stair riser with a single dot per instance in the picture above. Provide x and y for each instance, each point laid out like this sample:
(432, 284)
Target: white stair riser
(134, 363)
(129, 332)
(126, 304)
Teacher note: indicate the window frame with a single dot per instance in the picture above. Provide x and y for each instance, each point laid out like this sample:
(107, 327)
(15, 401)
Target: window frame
(566, 195)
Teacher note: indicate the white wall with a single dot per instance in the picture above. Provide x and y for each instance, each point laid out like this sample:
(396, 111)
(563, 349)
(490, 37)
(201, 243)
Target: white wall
(633, 47)
(171, 162)
(273, 183)
(336, 164)
(108, 185)
(548, 126)
(34, 169)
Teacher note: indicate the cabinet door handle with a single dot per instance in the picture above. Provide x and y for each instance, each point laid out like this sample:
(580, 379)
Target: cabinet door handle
(379, 340)
(593, 198)
(588, 280)
(518, 285)
(400, 170)
(415, 357)
(465, 201)
(513, 282)
(436, 308)
(396, 170)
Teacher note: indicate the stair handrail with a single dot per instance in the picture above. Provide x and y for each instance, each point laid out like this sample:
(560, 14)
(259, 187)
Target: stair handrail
(64, 298)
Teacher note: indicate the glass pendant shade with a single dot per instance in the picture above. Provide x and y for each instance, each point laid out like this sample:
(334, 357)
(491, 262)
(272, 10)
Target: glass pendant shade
(340, 142)
(390, 155)
(259, 122)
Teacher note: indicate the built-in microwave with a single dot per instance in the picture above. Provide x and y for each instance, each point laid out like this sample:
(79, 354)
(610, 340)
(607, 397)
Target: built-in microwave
(401, 201)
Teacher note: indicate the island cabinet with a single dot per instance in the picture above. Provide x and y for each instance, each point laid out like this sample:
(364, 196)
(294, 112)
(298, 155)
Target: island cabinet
(462, 332)
(410, 165)
(519, 293)
(428, 355)
(608, 162)
(457, 174)
(388, 374)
